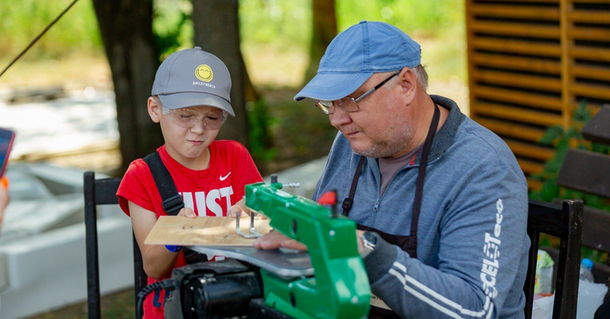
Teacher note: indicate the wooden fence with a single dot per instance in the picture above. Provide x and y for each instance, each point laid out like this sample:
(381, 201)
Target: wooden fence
(531, 63)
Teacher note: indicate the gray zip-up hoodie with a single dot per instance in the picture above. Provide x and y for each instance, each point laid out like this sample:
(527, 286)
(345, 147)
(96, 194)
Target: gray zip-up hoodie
(472, 237)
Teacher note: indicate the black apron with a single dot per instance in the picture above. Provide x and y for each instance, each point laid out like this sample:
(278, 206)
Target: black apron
(406, 243)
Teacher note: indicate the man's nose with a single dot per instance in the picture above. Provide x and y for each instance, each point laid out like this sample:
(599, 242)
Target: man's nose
(339, 117)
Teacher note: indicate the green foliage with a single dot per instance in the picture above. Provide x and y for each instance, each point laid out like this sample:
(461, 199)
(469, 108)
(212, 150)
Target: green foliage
(284, 25)
(268, 27)
(23, 20)
(563, 139)
(411, 16)
(260, 137)
(172, 26)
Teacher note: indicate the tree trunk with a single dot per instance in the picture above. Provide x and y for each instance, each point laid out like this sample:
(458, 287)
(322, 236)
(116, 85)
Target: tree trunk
(216, 24)
(126, 28)
(324, 30)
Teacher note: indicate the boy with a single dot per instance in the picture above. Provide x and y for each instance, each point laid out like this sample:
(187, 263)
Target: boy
(190, 99)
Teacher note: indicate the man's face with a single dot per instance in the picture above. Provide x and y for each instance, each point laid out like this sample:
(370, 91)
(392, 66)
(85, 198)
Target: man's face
(382, 126)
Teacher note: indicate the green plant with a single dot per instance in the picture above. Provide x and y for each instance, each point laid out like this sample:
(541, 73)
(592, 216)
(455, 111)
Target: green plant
(23, 20)
(172, 26)
(563, 139)
(260, 137)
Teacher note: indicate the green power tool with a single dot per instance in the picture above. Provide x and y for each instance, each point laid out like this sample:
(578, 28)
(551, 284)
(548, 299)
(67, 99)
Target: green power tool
(328, 281)
(339, 287)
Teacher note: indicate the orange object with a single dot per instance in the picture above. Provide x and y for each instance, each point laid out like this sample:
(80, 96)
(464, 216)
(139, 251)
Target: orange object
(4, 182)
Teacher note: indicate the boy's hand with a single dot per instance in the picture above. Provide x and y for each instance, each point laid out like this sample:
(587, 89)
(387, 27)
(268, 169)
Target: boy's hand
(187, 212)
(236, 209)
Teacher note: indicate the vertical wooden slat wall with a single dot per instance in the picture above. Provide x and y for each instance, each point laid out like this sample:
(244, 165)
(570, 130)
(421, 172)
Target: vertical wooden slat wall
(530, 63)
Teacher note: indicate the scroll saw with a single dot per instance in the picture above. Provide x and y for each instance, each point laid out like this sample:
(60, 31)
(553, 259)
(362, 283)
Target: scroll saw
(328, 281)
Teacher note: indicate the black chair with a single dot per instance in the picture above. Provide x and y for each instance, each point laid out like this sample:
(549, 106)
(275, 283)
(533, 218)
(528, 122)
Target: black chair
(564, 222)
(103, 192)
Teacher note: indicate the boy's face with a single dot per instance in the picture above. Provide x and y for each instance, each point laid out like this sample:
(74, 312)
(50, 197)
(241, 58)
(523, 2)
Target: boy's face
(187, 132)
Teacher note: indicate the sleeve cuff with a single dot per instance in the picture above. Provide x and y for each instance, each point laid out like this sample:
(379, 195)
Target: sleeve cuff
(380, 260)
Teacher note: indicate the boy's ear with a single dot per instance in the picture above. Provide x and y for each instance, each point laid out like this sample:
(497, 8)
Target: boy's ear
(154, 110)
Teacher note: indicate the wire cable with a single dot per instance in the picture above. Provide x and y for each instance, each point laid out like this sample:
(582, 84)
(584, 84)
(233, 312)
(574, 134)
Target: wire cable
(37, 38)
(167, 284)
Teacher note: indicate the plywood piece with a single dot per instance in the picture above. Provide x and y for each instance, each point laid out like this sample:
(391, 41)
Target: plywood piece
(203, 231)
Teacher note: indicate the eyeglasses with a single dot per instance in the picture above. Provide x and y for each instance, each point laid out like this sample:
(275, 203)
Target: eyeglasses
(188, 118)
(350, 104)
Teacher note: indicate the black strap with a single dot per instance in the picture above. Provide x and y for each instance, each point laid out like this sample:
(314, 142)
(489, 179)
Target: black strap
(349, 200)
(421, 174)
(171, 200)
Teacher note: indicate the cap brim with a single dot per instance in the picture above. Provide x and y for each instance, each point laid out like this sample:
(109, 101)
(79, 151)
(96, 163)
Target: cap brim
(189, 99)
(332, 85)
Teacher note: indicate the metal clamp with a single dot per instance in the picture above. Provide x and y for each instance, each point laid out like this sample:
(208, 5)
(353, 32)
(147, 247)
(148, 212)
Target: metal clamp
(253, 232)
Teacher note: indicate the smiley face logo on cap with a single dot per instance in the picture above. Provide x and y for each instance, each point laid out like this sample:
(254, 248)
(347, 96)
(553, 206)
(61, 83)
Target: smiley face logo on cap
(204, 73)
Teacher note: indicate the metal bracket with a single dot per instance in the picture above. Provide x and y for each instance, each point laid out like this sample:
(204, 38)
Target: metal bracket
(253, 232)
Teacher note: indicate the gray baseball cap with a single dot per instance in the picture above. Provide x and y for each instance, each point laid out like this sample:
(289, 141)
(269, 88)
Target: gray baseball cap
(193, 77)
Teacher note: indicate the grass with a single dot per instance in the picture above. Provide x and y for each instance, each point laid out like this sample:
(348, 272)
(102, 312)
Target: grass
(119, 305)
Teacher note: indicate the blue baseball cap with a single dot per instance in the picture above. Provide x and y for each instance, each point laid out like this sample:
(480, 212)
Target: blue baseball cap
(355, 54)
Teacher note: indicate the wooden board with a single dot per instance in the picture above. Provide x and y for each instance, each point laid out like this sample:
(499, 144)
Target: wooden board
(597, 129)
(203, 231)
(585, 171)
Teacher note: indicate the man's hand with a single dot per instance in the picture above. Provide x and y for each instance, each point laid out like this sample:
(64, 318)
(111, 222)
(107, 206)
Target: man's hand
(275, 240)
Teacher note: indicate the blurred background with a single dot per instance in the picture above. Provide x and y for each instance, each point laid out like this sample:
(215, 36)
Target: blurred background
(274, 39)
(77, 100)
(534, 72)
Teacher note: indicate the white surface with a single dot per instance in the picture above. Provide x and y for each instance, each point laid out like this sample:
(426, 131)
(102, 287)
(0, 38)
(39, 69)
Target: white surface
(590, 297)
(47, 271)
(61, 125)
(42, 247)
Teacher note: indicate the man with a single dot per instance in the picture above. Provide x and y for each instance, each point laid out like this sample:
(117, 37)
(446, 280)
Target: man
(440, 201)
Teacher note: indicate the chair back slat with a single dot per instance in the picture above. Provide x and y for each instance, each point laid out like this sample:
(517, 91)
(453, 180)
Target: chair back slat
(103, 192)
(564, 222)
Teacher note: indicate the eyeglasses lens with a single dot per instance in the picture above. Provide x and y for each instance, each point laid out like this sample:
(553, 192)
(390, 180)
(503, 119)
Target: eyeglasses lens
(347, 104)
(188, 118)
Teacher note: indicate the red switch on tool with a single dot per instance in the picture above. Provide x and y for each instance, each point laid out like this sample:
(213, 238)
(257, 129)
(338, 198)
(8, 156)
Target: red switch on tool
(328, 198)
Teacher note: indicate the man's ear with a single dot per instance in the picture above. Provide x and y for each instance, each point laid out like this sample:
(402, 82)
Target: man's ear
(154, 110)
(408, 84)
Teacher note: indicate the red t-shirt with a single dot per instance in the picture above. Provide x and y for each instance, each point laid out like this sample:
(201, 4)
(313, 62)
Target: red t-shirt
(209, 192)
